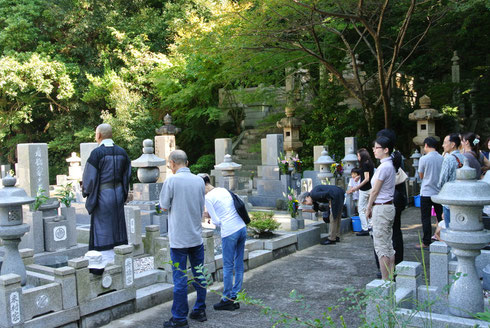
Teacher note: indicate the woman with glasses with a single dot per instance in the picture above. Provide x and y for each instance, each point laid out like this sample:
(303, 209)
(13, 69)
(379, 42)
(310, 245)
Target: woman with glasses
(380, 204)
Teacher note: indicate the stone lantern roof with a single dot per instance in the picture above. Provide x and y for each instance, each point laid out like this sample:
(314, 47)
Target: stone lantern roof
(168, 127)
(148, 159)
(425, 112)
(11, 195)
(74, 159)
(324, 159)
(289, 122)
(415, 155)
(228, 164)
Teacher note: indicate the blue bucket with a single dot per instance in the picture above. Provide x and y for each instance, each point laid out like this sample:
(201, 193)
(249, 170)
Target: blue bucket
(356, 224)
(416, 200)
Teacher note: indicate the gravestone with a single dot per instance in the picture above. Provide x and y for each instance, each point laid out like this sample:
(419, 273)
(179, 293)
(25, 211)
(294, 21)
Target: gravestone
(222, 147)
(85, 150)
(269, 185)
(165, 144)
(32, 168)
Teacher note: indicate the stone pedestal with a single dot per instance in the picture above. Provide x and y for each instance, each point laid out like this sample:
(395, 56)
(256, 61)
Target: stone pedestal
(12, 262)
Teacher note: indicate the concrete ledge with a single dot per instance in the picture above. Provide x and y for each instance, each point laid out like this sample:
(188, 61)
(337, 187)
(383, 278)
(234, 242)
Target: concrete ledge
(308, 237)
(98, 319)
(258, 258)
(153, 295)
(420, 319)
(279, 242)
(254, 245)
(54, 319)
(148, 278)
(106, 301)
(283, 251)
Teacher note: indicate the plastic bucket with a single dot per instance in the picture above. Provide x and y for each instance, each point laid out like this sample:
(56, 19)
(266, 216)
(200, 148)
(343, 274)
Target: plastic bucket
(356, 224)
(416, 201)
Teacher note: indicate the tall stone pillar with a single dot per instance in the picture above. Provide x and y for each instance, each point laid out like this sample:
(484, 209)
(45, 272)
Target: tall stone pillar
(32, 168)
(165, 144)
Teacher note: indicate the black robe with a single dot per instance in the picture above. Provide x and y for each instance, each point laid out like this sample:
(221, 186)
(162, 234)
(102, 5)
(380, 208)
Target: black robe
(106, 185)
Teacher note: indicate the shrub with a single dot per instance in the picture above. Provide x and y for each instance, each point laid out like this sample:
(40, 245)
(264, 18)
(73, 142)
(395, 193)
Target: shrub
(204, 164)
(262, 223)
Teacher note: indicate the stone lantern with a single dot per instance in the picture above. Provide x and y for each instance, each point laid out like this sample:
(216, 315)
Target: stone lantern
(11, 226)
(75, 169)
(466, 236)
(425, 117)
(350, 161)
(325, 161)
(290, 126)
(415, 163)
(227, 169)
(148, 163)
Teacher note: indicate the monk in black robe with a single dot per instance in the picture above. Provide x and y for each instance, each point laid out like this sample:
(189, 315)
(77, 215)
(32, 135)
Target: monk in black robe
(106, 185)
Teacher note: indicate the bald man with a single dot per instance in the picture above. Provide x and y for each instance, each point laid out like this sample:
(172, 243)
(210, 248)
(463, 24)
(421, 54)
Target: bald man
(106, 185)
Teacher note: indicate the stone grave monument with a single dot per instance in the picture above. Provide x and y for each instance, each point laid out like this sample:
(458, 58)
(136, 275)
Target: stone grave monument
(165, 144)
(269, 185)
(222, 146)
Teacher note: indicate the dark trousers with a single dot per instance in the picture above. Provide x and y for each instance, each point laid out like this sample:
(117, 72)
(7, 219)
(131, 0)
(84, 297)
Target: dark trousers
(425, 208)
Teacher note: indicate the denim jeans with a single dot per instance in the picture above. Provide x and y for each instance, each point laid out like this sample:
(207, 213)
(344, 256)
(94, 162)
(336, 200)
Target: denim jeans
(180, 307)
(233, 249)
(447, 216)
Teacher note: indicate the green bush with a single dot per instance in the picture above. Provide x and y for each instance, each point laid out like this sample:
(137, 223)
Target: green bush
(263, 223)
(204, 164)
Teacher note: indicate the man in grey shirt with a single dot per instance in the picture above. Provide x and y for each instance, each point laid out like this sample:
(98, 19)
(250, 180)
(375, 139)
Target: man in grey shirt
(429, 169)
(182, 196)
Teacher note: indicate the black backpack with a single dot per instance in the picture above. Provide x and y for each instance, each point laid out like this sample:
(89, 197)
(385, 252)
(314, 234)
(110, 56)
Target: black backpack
(240, 207)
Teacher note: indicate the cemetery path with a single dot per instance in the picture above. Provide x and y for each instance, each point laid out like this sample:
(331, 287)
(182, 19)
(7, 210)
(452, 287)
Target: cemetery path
(320, 273)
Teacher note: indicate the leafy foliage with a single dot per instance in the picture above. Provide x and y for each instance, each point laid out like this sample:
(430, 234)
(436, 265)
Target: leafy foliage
(263, 223)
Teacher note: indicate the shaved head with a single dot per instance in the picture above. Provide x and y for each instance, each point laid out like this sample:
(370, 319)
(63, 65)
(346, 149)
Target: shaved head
(105, 131)
(178, 156)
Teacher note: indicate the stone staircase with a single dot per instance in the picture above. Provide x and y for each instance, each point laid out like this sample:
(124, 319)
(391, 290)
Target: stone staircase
(248, 154)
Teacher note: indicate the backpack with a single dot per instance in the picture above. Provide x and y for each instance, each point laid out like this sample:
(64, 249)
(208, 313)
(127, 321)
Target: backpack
(240, 207)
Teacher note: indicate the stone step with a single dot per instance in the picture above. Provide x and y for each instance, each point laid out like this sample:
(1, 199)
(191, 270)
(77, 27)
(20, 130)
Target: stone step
(153, 295)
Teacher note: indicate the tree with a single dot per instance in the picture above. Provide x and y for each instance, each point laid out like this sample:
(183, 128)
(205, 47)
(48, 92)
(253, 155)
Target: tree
(380, 33)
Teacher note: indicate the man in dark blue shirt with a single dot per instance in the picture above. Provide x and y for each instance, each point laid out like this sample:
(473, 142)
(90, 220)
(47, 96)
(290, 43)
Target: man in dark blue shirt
(326, 194)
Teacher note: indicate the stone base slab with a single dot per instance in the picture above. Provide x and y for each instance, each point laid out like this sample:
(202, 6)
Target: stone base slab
(55, 319)
(258, 258)
(153, 295)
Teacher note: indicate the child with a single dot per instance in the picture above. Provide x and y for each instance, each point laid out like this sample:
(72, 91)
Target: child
(354, 182)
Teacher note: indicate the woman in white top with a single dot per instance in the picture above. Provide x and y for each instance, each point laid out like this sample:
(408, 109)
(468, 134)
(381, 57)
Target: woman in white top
(380, 205)
(220, 207)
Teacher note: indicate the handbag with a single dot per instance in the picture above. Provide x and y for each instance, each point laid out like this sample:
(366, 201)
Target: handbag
(240, 207)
